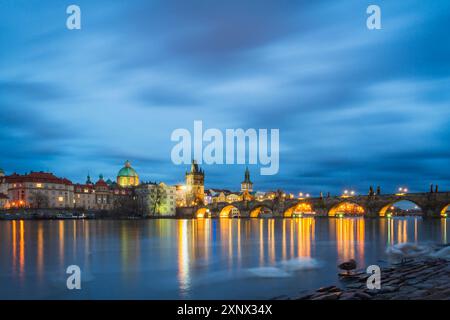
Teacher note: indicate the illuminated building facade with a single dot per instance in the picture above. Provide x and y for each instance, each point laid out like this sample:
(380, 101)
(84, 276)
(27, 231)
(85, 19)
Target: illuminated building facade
(3, 190)
(39, 190)
(103, 195)
(84, 197)
(127, 176)
(157, 199)
(180, 195)
(195, 189)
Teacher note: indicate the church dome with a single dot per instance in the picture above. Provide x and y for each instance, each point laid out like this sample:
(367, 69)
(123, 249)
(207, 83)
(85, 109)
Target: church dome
(127, 171)
(127, 176)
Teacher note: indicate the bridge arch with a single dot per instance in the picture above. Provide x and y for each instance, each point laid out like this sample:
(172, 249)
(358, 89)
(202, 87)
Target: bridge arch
(260, 210)
(392, 208)
(346, 208)
(299, 209)
(230, 211)
(444, 211)
(202, 213)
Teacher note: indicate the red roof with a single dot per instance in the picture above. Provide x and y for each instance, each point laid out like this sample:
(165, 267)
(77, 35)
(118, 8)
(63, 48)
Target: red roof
(82, 187)
(38, 177)
(101, 183)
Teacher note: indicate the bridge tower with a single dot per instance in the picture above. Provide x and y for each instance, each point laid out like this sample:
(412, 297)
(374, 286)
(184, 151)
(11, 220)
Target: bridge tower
(195, 185)
(247, 185)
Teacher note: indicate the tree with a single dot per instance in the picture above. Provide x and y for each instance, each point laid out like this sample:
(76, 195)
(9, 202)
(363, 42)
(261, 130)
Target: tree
(39, 200)
(157, 197)
(126, 205)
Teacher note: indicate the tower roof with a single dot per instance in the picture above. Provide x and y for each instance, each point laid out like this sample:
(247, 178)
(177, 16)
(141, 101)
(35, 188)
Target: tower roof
(101, 182)
(195, 168)
(247, 176)
(88, 180)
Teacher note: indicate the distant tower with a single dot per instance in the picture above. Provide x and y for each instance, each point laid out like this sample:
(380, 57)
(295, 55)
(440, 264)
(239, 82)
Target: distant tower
(247, 185)
(88, 180)
(195, 185)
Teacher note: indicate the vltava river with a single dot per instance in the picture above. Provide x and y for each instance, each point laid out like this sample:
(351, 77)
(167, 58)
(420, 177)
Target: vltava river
(194, 259)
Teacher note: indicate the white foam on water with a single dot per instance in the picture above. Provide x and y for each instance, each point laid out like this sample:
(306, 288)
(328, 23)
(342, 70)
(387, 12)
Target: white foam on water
(406, 250)
(268, 272)
(444, 253)
(300, 263)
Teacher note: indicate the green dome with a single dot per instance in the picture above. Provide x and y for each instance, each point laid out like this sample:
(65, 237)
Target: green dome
(127, 171)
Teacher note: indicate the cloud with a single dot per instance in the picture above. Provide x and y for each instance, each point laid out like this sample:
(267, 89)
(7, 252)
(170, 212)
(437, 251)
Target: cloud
(354, 107)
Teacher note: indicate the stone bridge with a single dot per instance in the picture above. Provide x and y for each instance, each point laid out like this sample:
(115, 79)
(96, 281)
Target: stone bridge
(432, 204)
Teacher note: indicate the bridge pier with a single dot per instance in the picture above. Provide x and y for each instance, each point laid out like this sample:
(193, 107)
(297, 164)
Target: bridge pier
(431, 214)
(322, 212)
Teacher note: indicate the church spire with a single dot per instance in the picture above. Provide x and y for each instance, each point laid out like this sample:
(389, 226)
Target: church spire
(247, 175)
(88, 180)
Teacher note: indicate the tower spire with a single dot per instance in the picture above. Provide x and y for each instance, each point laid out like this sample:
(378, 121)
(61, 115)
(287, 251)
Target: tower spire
(88, 180)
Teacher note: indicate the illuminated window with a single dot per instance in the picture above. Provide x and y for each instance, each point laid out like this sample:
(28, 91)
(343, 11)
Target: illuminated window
(60, 199)
(38, 185)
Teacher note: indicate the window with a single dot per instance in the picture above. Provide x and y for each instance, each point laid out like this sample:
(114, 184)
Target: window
(60, 199)
(38, 185)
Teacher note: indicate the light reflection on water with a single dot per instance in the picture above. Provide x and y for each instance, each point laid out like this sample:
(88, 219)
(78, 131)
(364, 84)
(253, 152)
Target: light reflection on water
(189, 259)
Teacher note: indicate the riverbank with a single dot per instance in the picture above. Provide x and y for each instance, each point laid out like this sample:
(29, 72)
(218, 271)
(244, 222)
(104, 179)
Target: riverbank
(422, 279)
(71, 214)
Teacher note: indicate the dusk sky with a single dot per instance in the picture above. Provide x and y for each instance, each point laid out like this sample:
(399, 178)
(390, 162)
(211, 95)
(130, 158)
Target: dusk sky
(355, 107)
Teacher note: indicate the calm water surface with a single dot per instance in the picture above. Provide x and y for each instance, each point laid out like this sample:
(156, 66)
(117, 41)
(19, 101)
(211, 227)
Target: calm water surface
(194, 259)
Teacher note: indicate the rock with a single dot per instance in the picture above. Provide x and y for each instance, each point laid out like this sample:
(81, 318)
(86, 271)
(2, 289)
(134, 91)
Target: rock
(372, 292)
(419, 279)
(348, 296)
(399, 297)
(363, 295)
(424, 286)
(436, 296)
(282, 297)
(328, 289)
(419, 294)
(355, 286)
(413, 282)
(388, 289)
(406, 289)
(330, 296)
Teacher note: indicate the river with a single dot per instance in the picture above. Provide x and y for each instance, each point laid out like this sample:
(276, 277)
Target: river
(195, 259)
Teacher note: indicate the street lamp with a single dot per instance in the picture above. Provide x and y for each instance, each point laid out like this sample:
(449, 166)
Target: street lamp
(348, 193)
(402, 190)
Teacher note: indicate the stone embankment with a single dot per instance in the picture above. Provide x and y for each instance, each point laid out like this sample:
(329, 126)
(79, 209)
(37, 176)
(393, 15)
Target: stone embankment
(421, 279)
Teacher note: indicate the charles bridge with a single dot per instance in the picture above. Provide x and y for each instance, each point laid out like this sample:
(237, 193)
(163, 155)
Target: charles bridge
(432, 204)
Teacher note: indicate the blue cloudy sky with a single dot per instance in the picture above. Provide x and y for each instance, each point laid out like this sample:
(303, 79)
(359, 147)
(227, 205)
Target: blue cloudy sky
(354, 107)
